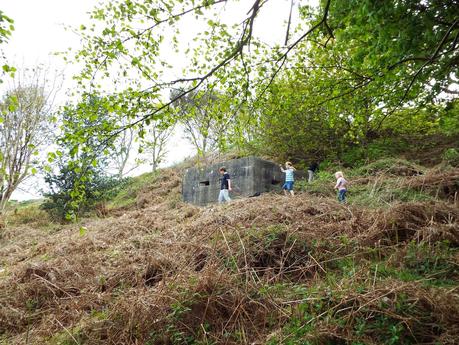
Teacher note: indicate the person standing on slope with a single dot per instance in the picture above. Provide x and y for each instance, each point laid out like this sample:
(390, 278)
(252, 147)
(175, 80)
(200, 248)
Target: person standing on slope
(313, 167)
(341, 184)
(289, 178)
(225, 186)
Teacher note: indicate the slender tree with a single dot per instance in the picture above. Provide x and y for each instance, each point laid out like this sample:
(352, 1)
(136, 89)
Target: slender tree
(122, 148)
(154, 144)
(25, 127)
(203, 116)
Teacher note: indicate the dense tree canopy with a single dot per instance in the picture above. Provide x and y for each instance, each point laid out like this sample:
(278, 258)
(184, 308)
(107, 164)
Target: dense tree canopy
(397, 50)
(345, 74)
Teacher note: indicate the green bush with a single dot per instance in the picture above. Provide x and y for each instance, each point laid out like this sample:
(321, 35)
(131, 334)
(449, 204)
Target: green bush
(59, 201)
(358, 155)
(449, 120)
(451, 156)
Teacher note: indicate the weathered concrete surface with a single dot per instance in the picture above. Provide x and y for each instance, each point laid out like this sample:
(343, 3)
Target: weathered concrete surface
(249, 176)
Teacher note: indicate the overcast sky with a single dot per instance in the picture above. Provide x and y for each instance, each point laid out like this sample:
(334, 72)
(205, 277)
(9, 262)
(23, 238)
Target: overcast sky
(40, 32)
(39, 26)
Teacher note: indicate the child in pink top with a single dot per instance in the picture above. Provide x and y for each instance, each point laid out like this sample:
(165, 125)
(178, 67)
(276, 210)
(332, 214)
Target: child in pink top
(341, 184)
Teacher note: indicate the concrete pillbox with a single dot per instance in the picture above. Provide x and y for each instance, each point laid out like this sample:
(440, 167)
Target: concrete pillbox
(249, 176)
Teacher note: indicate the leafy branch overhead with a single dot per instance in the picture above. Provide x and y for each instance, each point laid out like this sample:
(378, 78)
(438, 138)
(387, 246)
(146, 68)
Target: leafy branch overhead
(355, 63)
(116, 49)
(6, 29)
(133, 43)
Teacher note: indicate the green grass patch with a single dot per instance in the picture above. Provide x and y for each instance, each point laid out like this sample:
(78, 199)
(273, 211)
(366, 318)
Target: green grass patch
(322, 185)
(28, 213)
(125, 195)
(367, 190)
(390, 166)
(384, 194)
(67, 337)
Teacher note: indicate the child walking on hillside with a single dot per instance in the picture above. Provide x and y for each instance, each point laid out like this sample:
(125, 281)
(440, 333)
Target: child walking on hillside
(341, 184)
(289, 178)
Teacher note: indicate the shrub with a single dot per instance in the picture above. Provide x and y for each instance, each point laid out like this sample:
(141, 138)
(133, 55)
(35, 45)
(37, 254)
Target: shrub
(96, 190)
(357, 155)
(451, 156)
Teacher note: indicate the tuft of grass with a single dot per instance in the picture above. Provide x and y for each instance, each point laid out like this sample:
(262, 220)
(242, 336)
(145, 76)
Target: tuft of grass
(322, 185)
(174, 201)
(67, 337)
(451, 157)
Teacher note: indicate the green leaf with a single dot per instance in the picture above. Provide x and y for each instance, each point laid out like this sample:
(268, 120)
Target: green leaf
(83, 231)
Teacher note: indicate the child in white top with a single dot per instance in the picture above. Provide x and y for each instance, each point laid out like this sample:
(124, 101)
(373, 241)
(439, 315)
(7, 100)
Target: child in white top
(289, 178)
(341, 184)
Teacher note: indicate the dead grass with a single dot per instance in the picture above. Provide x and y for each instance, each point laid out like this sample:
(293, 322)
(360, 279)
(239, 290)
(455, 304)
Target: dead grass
(166, 272)
(440, 182)
(429, 222)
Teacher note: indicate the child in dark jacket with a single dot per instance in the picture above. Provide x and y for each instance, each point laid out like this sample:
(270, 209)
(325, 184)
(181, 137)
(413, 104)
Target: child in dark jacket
(225, 186)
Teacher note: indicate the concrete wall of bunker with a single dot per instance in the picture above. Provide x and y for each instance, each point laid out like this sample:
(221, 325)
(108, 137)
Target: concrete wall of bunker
(249, 176)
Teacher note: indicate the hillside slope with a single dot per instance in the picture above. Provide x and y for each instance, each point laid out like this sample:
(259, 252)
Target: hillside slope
(266, 270)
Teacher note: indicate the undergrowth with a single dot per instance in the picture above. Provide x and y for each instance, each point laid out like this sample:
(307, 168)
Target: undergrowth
(381, 269)
(28, 212)
(368, 300)
(385, 182)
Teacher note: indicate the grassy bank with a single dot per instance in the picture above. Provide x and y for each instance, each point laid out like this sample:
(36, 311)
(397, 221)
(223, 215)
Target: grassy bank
(381, 269)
